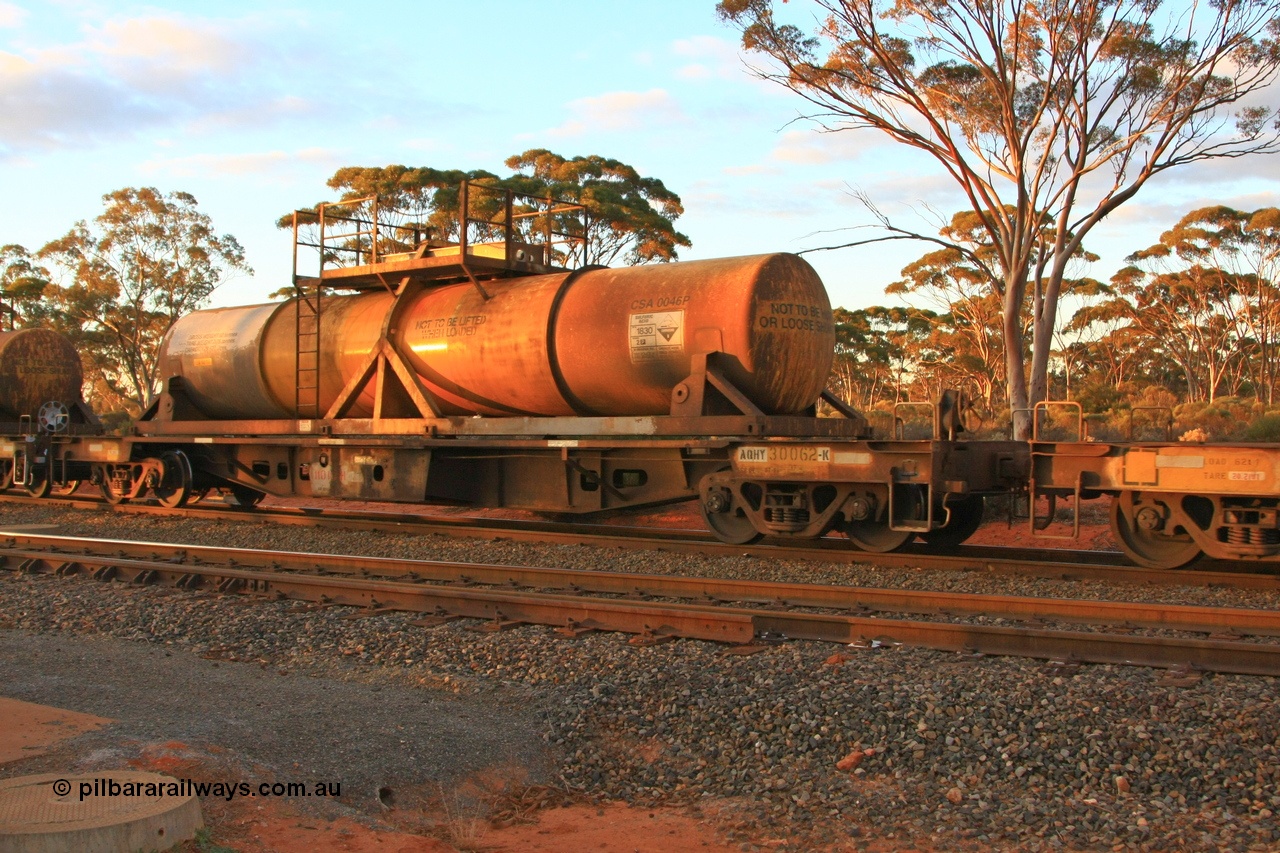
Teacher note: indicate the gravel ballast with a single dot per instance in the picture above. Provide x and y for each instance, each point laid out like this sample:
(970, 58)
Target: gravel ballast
(934, 747)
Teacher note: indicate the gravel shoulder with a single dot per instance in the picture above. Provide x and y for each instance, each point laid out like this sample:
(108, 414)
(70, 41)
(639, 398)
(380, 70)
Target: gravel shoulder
(292, 725)
(952, 752)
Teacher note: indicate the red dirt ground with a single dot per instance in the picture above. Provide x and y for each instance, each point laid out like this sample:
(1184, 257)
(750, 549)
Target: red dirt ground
(264, 826)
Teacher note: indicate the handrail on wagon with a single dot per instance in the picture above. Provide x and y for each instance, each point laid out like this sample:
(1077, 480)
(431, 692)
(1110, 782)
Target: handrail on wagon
(1040, 413)
(515, 229)
(1166, 422)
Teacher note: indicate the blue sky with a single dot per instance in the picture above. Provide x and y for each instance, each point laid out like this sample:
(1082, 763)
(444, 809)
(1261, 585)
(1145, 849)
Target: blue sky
(251, 107)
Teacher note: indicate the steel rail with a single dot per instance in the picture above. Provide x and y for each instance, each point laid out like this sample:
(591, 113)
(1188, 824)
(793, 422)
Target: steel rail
(1049, 563)
(707, 621)
(1180, 617)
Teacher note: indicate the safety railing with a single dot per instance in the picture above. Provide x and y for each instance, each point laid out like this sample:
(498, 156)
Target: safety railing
(493, 221)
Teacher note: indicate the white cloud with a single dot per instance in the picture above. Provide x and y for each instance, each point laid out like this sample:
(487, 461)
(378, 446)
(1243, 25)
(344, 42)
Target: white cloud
(615, 111)
(769, 202)
(255, 114)
(1222, 172)
(752, 169)
(137, 48)
(927, 187)
(814, 147)
(426, 143)
(271, 163)
(1163, 214)
(713, 58)
(129, 76)
(45, 104)
(11, 15)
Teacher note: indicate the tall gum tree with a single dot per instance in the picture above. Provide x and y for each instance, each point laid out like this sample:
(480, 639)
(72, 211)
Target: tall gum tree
(1048, 115)
(121, 280)
(629, 217)
(22, 287)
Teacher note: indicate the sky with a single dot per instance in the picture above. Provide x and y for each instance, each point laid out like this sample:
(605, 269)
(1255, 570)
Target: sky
(252, 106)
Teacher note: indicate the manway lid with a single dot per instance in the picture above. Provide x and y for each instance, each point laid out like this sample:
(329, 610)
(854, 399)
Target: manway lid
(48, 813)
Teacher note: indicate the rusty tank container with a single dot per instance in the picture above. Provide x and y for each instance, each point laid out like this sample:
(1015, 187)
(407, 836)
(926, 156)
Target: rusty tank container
(592, 342)
(37, 366)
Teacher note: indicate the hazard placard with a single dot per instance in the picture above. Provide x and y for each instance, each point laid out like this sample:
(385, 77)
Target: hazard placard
(655, 335)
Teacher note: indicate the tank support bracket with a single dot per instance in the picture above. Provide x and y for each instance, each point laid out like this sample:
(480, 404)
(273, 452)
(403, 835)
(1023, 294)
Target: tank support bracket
(382, 356)
(690, 397)
(849, 412)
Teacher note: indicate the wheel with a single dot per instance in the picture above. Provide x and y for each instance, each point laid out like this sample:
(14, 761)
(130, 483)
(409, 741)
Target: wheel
(874, 533)
(1146, 547)
(725, 518)
(6, 474)
(966, 517)
(67, 488)
(732, 527)
(198, 495)
(246, 496)
(876, 536)
(111, 492)
(174, 487)
(40, 485)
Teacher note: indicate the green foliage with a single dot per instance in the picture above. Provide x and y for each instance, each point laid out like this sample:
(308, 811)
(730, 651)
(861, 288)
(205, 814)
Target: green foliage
(122, 280)
(1098, 396)
(878, 354)
(1225, 419)
(22, 287)
(422, 199)
(1265, 428)
(1200, 308)
(630, 218)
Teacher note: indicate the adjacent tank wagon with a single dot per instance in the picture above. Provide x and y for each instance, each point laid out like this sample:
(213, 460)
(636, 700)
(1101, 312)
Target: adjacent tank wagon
(42, 411)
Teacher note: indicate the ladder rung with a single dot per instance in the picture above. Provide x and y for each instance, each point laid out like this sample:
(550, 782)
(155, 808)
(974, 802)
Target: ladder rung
(307, 347)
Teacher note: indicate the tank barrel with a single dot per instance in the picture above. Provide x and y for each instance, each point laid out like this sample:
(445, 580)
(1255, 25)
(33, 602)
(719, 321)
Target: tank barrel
(607, 342)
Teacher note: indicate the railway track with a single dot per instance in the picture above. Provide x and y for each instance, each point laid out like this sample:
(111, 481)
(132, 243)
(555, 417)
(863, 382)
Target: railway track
(743, 614)
(1061, 564)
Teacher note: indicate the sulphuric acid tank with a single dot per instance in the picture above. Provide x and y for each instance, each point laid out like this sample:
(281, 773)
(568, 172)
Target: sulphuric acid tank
(37, 366)
(591, 342)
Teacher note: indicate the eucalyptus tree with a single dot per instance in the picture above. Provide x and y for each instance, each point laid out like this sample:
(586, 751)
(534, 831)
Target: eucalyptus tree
(628, 218)
(1047, 114)
(22, 286)
(1236, 253)
(121, 280)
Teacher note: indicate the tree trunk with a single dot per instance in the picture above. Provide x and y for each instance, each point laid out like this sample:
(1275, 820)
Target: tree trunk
(1015, 362)
(1044, 318)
